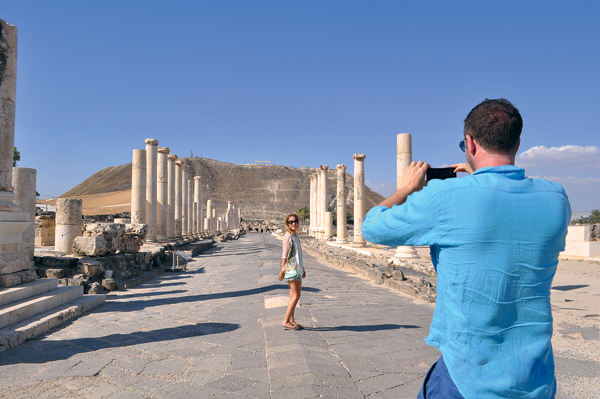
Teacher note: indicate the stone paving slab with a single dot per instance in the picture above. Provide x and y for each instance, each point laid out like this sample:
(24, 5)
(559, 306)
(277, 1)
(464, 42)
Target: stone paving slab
(215, 331)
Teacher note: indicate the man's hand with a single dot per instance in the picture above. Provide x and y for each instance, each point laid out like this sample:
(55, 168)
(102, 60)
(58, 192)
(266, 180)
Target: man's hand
(413, 180)
(462, 167)
(414, 176)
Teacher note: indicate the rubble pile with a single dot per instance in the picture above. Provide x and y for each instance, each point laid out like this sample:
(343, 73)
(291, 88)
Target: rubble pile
(109, 238)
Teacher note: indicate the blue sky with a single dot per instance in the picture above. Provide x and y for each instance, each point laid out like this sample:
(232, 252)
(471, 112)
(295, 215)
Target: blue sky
(303, 83)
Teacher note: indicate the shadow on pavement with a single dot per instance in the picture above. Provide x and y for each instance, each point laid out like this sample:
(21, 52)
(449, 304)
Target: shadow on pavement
(373, 327)
(135, 305)
(569, 287)
(47, 351)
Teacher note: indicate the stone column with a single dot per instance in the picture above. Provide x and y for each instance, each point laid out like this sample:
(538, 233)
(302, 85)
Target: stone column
(322, 198)
(171, 197)
(151, 189)
(23, 182)
(190, 212)
(341, 204)
(68, 223)
(178, 200)
(403, 160)
(209, 214)
(313, 204)
(15, 266)
(184, 200)
(162, 194)
(213, 219)
(138, 187)
(359, 198)
(8, 93)
(198, 201)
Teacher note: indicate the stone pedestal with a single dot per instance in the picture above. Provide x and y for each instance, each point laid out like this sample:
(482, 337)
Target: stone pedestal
(68, 223)
(171, 197)
(359, 199)
(178, 198)
(403, 160)
(151, 189)
(341, 204)
(138, 187)
(162, 194)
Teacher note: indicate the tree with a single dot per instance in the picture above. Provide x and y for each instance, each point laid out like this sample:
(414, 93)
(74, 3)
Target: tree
(16, 156)
(592, 219)
(304, 213)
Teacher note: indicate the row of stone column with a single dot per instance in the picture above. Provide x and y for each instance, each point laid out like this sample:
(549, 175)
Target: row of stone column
(321, 225)
(166, 197)
(321, 220)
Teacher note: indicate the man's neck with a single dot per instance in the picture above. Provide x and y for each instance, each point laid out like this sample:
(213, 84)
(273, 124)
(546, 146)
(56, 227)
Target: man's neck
(493, 160)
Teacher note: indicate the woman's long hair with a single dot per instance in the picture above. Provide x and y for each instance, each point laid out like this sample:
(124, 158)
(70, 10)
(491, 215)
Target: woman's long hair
(287, 226)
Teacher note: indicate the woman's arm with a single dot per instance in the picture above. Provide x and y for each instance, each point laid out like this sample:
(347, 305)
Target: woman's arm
(287, 241)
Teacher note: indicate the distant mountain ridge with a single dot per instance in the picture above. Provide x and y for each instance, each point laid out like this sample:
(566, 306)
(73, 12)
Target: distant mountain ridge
(261, 191)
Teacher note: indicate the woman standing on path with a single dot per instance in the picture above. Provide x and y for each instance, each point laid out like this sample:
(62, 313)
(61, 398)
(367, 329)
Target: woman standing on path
(292, 270)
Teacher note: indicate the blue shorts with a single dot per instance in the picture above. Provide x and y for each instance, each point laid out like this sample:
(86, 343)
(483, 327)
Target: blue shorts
(292, 275)
(438, 384)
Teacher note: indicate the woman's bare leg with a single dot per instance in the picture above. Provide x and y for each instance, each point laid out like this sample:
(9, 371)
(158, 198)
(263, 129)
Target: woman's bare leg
(295, 288)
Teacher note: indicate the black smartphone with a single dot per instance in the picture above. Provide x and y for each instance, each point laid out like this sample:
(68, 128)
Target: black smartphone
(440, 173)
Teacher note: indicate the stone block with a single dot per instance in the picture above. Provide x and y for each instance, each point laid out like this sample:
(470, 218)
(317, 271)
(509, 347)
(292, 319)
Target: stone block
(90, 267)
(91, 246)
(55, 273)
(110, 284)
(96, 288)
(14, 261)
(579, 233)
(59, 261)
(13, 279)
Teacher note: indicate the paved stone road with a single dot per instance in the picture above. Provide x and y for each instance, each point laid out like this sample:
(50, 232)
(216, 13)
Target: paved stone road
(215, 331)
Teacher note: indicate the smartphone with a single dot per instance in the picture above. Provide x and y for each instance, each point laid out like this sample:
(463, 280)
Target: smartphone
(440, 173)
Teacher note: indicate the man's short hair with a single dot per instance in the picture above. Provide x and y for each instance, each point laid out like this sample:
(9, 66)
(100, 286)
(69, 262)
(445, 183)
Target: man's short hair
(496, 125)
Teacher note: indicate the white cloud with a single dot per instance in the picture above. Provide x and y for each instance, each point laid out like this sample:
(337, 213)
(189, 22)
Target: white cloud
(571, 157)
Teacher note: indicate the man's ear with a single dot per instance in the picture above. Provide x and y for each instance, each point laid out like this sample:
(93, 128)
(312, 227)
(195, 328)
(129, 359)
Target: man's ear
(471, 147)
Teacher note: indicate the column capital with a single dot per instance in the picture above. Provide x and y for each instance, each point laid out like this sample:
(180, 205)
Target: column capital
(172, 157)
(179, 162)
(163, 150)
(341, 168)
(313, 176)
(324, 167)
(151, 141)
(359, 157)
(197, 178)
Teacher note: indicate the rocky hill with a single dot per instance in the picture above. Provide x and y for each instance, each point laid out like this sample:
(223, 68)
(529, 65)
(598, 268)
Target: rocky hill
(263, 192)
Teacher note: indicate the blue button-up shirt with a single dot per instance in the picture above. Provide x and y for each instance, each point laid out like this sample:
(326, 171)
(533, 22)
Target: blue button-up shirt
(495, 237)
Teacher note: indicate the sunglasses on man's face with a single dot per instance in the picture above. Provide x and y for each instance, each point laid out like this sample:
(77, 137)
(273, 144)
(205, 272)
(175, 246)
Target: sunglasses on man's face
(462, 145)
(292, 221)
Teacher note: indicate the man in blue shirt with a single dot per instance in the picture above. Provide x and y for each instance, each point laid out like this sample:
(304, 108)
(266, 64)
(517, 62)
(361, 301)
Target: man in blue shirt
(495, 237)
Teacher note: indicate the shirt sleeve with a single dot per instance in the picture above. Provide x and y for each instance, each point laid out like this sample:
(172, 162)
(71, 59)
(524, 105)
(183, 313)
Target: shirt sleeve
(287, 241)
(416, 222)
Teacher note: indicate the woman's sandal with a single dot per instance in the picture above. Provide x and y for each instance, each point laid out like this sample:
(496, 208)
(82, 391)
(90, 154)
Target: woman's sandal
(300, 327)
(291, 327)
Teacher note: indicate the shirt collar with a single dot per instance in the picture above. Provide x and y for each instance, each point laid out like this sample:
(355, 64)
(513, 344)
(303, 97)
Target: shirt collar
(508, 171)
